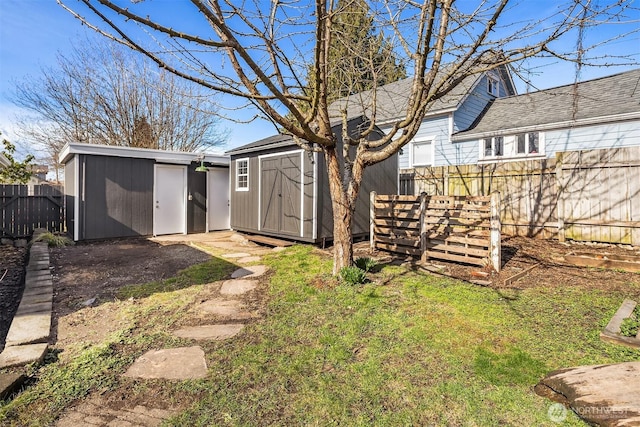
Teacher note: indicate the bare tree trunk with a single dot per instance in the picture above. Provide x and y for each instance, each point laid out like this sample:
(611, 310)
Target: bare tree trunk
(342, 213)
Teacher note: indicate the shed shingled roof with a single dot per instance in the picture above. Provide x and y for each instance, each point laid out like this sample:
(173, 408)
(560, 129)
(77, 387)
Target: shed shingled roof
(278, 140)
(599, 100)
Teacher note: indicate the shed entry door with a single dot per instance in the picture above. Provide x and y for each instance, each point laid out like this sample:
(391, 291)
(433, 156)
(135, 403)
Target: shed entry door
(218, 198)
(170, 200)
(280, 196)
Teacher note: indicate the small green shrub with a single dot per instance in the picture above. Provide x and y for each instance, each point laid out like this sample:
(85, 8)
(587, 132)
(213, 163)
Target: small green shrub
(353, 275)
(365, 263)
(629, 326)
(53, 239)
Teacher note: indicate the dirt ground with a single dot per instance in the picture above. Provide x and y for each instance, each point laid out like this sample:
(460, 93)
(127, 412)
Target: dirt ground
(521, 253)
(97, 269)
(12, 262)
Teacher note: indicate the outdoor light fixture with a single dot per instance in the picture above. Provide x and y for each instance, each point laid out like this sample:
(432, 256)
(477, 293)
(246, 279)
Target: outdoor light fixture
(202, 167)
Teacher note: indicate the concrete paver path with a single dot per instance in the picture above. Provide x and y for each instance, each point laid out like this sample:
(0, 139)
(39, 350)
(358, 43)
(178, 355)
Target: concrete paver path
(238, 286)
(249, 272)
(96, 412)
(210, 332)
(171, 364)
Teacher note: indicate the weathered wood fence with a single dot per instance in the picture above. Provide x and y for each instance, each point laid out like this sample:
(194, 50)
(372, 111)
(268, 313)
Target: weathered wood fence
(452, 228)
(589, 195)
(21, 212)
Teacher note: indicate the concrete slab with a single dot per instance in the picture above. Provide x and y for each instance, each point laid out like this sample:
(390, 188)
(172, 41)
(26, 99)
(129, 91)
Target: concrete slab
(38, 264)
(38, 274)
(10, 382)
(224, 308)
(29, 329)
(250, 272)
(237, 286)
(606, 395)
(172, 364)
(37, 297)
(30, 307)
(210, 332)
(249, 259)
(22, 355)
(236, 255)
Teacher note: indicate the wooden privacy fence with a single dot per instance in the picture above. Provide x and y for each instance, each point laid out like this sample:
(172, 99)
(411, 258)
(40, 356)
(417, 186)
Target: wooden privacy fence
(21, 212)
(591, 195)
(452, 228)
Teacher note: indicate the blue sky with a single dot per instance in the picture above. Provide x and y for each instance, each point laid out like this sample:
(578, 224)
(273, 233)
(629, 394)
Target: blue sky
(33, 31)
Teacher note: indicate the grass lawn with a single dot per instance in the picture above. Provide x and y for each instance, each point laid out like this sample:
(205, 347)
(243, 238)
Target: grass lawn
(417, 350)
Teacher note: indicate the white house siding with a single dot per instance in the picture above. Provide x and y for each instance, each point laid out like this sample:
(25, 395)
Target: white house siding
(437, 127)
(609, 135)
(459, 153)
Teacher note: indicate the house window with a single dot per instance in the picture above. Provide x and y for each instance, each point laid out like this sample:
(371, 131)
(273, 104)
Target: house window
(242, 175)
(529, 144)
(493, 147)
(422, 152)
(493, 86)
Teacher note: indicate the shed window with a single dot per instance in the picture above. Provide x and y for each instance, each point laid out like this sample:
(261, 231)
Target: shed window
(422, 152)
(242, 175)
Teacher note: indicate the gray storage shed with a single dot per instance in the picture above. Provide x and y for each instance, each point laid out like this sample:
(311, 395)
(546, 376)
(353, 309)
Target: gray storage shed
(281, 190)
(115, 192)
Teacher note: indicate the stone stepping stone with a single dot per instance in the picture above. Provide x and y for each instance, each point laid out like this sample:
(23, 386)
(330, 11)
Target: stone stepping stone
(22, 355)
(236, 255)
(97, 412)
(249, 259)
(599, 394)
(210, 332)
(225, 308)
(249, 272)
(238, 286)
(171, 364)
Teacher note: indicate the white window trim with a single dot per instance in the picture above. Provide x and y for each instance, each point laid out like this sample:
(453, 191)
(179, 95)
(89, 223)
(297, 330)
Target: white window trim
(492, 79)
(514, 157)
(422, 140)
(238, 188)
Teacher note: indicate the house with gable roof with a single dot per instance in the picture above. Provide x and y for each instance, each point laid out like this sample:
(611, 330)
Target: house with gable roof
(454, 112)
(595, 114)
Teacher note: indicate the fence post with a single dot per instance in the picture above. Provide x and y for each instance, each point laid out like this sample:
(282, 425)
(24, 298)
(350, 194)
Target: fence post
(423, 229)
(560, 197)
(372, 218)
(495, 250)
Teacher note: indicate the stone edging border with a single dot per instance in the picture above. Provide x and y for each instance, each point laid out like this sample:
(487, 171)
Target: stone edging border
(31, 326)
(611, 332)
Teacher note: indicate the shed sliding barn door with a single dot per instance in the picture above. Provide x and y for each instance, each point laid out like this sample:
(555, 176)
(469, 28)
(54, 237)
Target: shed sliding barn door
(280, 196)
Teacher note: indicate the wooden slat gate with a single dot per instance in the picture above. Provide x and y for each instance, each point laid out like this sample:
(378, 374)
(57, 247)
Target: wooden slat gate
(21, 213)
(454, 228)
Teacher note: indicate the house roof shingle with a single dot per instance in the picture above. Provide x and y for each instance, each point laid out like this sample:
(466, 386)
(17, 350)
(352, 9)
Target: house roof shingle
(392, 99)
(599, 100)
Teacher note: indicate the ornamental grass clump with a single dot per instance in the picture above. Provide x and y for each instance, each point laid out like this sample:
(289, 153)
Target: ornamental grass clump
(353, 275)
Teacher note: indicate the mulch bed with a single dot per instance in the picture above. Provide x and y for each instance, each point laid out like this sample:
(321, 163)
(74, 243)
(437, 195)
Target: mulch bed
(12, 271)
